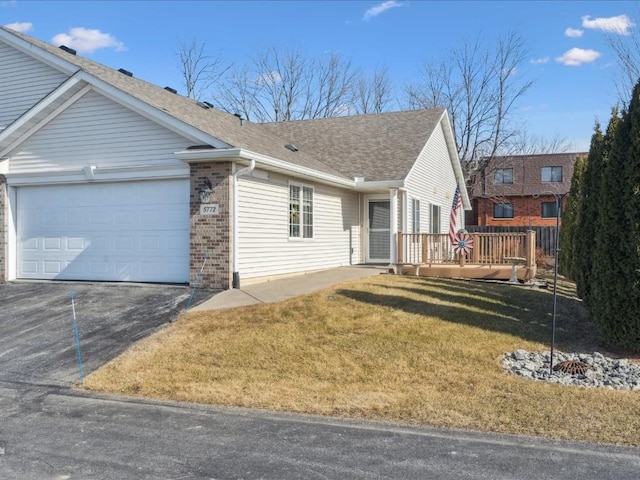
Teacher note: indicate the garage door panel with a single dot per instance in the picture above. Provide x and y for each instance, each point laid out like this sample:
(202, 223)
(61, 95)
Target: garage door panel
(110, 232)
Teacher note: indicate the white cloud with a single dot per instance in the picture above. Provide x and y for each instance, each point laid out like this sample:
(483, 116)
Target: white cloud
(573, 32)
(380, 9)
(539, 61)
(86, 40)
(577, 56)
(22, 27)
(620, 24)
(269, 78)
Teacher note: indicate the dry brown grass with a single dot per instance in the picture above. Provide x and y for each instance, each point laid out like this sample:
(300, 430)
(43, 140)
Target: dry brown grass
(394, 348)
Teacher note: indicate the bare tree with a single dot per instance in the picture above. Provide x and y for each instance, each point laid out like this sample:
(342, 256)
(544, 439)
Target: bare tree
(626, 50)
(372, 94)
(199, 70)
(524, 143)
(286, 86)
(480, 86)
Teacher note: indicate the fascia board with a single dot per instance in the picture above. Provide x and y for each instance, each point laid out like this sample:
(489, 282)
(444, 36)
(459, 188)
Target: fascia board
(100, 175)
(234, 154)
(379, 185)
(455, 161)
(33, 51)
(151, 112)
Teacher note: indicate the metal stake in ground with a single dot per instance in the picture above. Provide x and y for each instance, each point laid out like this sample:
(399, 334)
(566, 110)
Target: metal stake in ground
(197, 282)
(76, 334)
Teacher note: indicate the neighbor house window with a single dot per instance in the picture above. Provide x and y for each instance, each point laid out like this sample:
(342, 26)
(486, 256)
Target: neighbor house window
(434, 226)
(549, 209)
(415, 207)
(552, 174)
(503, 210)
(300, 211)
(503, 175)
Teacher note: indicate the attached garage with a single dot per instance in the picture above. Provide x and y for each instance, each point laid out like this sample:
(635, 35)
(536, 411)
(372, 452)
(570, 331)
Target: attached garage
(124, 231)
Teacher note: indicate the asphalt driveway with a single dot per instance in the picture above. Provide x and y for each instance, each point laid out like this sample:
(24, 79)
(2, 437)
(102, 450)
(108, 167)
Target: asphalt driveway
(37, 343)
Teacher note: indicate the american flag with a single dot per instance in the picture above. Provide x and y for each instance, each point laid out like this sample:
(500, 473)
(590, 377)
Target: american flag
(453, 221)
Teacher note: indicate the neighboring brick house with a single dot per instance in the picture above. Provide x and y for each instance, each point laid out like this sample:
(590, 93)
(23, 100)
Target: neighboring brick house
(514, 190)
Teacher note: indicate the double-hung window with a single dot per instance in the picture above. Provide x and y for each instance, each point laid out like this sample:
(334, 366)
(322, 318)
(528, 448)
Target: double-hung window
(300, 211)
(434, 226)
(552, 174)
(550, 210)
(415, 203)
(503, 210)
(503, 175)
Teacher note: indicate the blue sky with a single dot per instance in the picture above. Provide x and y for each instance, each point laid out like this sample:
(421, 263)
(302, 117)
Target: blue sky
(568, 59)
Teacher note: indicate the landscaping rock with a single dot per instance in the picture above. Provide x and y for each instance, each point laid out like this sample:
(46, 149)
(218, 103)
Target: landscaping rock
(604, 372)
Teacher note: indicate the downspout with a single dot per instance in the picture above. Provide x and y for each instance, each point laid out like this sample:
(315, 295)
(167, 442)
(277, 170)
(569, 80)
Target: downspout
(242, 171)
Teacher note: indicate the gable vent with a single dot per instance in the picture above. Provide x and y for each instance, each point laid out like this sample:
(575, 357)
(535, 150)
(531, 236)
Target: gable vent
(67, 49)
(169, 89)
(291, 147)
(125, 72)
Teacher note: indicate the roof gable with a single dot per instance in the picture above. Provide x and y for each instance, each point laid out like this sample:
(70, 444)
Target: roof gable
(378, 147)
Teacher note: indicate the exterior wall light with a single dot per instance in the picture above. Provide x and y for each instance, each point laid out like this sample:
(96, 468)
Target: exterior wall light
(205, 191)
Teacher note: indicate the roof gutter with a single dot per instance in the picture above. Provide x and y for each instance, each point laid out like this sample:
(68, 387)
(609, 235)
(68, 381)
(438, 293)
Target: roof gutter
(226, 154)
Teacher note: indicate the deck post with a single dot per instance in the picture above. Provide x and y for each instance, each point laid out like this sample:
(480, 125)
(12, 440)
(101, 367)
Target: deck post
(400, 247)
(393, 227)
(530, 247)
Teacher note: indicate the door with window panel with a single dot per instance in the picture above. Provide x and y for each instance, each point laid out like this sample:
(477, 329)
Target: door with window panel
(379, 231)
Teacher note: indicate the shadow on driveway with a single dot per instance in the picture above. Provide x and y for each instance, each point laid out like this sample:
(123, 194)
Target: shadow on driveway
(37, 343)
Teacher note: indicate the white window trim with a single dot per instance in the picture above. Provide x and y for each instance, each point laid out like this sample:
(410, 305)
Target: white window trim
(302, 186)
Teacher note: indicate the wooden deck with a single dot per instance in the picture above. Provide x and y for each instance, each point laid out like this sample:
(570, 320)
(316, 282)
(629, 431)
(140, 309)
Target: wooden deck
(505, 256)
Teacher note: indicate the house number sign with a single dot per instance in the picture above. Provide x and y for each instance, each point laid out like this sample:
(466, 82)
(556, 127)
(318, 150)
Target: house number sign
(210, 209)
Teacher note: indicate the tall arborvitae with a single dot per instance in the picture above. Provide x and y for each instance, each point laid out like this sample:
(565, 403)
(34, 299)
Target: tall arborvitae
(630, 205)
(570, 215)
(609, 228)
(622, 317)
(584, 225)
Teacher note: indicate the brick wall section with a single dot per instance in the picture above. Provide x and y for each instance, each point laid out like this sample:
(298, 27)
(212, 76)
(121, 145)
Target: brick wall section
(3, 229)
(211, 233)
(526, 212)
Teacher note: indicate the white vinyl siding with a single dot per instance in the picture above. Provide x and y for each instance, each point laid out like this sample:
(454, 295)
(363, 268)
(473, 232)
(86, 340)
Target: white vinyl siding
(432, 180)
(264, 246)
(24, 81)
(97, 131)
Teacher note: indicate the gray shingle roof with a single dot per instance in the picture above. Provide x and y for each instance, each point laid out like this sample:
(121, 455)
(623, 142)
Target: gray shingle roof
(378, 147)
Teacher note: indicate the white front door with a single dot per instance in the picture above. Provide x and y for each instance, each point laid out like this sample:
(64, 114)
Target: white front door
(126, 231)
(378, 231)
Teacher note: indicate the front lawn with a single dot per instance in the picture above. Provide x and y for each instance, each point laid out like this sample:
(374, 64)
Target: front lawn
(394, 348)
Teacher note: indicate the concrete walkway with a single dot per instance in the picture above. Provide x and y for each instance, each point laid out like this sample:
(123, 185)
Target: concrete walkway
(285, 288)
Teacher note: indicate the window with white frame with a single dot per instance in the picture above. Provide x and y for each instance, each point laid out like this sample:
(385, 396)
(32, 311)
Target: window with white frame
(300, 211)
(415, 211)
(434, 224)
(503, 175)
(552, 174)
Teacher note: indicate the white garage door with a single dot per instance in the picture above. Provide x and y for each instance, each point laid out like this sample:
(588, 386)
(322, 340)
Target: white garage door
(136, 232)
